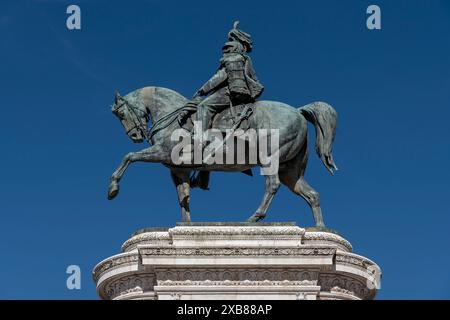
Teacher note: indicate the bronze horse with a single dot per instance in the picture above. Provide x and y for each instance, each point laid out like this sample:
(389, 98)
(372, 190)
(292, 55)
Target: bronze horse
(160, 106)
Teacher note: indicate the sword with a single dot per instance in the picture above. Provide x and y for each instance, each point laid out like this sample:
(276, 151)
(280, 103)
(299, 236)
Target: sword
(245, 114)
(233, 112)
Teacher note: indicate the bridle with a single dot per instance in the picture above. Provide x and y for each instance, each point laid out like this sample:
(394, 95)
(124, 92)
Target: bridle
(138, 124)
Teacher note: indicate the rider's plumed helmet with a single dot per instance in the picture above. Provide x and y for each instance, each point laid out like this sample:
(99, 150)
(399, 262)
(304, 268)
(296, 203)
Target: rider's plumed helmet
(242, 37)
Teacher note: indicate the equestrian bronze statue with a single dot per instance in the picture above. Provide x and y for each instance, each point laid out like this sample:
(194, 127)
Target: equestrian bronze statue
(229, 100)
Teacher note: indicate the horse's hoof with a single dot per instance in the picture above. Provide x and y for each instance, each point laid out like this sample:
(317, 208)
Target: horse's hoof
(320, 228)
(255, 218)
(113, 190)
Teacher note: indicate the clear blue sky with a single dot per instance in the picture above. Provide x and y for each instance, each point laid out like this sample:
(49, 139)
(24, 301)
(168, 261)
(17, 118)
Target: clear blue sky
(60, 142)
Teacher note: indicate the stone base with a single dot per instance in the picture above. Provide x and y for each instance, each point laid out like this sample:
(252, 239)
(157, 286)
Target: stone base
(227, 261)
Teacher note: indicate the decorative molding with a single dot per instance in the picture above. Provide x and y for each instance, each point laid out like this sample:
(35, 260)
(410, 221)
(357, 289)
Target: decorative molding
(236, 231)
(114, 262)
(236, 283)
(238, 251)
(144, 238)
(354, 259)
(328, 237)
(236, 274)
(129, 284)
(341, 283)
(341, 290)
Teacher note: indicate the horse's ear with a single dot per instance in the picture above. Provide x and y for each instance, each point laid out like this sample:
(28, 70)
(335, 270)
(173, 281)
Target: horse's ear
(117, 95)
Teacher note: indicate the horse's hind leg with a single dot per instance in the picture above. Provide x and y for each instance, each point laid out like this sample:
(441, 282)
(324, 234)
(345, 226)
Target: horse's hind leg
(292, 175)
(272, 186)
(311, 196)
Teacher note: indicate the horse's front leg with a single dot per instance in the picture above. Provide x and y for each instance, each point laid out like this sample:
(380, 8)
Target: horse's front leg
(152, 154)
(181, 179)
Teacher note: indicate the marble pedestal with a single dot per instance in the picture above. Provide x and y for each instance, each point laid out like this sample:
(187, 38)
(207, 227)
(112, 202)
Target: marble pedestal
(236, 261)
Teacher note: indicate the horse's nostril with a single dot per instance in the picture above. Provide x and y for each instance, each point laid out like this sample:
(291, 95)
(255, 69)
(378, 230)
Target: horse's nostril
(133, 135)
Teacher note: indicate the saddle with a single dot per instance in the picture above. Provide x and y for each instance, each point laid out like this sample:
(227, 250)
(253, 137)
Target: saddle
(226, 120)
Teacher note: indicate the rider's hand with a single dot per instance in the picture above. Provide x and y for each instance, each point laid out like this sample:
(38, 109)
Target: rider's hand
(182, 116)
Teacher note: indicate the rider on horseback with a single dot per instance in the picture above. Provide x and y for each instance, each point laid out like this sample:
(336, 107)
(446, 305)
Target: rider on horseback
(234, 82)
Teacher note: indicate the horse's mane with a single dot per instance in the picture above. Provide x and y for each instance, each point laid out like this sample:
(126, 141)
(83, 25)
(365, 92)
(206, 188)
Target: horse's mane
(164, 97)
(165, 103)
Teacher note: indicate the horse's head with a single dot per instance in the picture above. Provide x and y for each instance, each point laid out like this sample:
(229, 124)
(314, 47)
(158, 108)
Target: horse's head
(133, 117)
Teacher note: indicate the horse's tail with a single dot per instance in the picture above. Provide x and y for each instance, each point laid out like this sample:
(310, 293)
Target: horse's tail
(324, 118)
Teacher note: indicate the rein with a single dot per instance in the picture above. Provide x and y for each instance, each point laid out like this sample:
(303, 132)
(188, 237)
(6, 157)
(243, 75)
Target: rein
(170, 117)
(160, 124)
